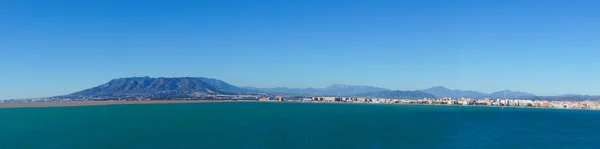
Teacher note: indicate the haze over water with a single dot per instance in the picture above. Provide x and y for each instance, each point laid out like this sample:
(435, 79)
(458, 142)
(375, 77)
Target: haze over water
(255, 125)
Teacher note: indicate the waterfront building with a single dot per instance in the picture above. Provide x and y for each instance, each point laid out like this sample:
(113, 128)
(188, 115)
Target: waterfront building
(327, 99)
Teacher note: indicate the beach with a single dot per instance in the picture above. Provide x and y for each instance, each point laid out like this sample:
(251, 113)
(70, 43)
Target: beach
(96, 103)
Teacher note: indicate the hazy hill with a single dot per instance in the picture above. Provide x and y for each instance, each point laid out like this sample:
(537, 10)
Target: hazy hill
(572, 97)
(440, 91)
(224, 86)
(335, 89)
(285, 90)
(397, 95)
(340, 89)
(510, 94)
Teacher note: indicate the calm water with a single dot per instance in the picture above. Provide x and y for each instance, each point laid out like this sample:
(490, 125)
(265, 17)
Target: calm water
(295, 126)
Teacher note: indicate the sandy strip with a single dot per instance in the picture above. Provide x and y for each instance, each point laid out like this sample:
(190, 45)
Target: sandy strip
(92, 103)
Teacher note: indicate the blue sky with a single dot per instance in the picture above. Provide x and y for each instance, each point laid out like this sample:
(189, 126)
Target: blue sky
(546, 47)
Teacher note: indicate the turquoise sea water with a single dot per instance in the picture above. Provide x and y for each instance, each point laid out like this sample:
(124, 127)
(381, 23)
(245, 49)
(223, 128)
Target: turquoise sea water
(253, 125)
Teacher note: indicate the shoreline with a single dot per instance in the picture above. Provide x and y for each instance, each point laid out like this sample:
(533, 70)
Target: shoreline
(101, 103)
(116, 102)
(485, 106)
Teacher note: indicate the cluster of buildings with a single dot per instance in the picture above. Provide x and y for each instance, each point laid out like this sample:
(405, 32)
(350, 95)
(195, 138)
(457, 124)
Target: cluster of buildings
(128, 98)
(593, 105)
(43, 100)
(587, 104)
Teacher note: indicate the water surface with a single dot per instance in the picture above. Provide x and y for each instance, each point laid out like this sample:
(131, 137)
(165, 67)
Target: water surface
(253, 125)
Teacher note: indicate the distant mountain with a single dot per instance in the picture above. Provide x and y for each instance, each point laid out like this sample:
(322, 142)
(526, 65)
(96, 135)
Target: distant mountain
(224, 86)
(340, 89)
(335, 89)
(571, 97)
(285, 90)
(397, 95)
(147, 85)
(510, 94)
(197, 86)
(440, 91)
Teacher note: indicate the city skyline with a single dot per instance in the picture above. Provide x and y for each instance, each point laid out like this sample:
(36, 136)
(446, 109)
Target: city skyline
(540, 47)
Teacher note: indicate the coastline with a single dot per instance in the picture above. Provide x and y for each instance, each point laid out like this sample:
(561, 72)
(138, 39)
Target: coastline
(100, 103)
(487, 106)
(116, 102)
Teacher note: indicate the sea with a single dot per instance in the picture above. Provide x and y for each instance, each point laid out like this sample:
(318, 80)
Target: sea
(271, 125)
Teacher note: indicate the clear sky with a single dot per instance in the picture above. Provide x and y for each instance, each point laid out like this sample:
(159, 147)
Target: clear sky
(546, 47)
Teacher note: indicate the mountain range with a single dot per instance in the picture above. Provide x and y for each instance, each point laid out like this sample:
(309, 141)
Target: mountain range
(573, 97)
(397, 95)
(149, 86)
(198, 86)
(440, 91)
(332, 90)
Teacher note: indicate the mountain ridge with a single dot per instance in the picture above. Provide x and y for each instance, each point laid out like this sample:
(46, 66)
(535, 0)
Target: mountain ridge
(511, 94)
(334, 90)
(440, 91)
(147, 85)
(222, 85)
(201, 85)
(397, 94)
